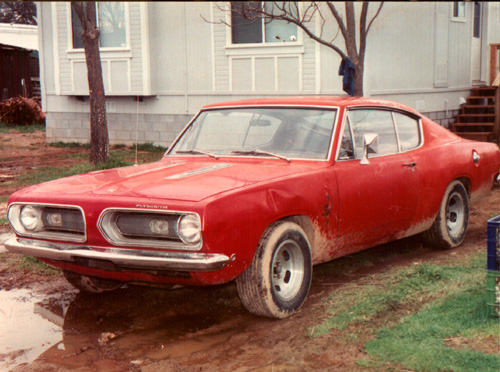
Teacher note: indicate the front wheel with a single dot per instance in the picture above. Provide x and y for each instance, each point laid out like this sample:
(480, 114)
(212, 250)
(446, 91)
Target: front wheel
(88, 284)
(276, 284)
(450, 226)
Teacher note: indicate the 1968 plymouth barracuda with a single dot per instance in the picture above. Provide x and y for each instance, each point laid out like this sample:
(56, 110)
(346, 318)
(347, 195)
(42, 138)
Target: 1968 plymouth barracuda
(259, 191)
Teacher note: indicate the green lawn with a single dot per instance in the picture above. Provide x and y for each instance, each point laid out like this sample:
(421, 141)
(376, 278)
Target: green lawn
(410, 313)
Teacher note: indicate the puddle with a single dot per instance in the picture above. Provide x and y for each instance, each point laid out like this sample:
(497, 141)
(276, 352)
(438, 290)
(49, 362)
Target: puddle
(3, 238)
(188, 347)
(24, 331)
(72, 330)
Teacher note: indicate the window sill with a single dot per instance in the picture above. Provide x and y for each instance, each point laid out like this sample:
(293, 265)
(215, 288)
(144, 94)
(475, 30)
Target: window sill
(264, 49)
(106, 53)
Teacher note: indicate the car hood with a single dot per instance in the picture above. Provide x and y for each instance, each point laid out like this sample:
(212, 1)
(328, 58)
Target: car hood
(179, 179)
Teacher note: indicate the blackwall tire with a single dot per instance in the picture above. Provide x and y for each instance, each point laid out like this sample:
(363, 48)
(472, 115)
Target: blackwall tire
(276, 284)
(450, 226)
(88, 284)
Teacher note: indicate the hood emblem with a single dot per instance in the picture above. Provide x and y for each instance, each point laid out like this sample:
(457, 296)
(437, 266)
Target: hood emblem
(145, 206)
(198, 171)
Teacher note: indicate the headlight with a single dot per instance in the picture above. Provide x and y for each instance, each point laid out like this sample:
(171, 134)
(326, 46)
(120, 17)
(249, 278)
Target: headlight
(48, 221)
(190, 229)
(30, 218)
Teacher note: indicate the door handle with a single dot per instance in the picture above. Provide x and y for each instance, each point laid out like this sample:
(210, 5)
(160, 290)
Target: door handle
(411, 164)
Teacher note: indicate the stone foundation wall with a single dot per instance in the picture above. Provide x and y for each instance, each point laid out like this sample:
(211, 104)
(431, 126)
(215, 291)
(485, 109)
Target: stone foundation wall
(444, 118)
(159, 130)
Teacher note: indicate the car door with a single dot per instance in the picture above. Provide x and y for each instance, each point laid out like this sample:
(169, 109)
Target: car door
(378, 200)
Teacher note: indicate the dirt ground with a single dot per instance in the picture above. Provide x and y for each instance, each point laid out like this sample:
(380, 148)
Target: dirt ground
(199, 329)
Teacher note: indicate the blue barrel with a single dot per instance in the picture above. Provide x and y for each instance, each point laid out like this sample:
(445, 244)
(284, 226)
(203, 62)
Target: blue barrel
(493, 263)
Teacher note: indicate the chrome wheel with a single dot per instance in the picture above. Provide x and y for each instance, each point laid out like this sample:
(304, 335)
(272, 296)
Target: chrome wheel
(278, 280)
(455, 214)
(449, 229)
(287, 270)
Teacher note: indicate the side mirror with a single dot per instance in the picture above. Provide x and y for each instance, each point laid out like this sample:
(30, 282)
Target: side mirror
(369, 146)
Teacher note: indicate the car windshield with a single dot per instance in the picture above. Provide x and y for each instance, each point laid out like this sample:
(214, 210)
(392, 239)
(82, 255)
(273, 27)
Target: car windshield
(285, 133)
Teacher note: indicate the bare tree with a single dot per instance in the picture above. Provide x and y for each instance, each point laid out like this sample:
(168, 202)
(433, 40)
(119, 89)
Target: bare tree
(289, 11)
(18, 12)
(99, 141)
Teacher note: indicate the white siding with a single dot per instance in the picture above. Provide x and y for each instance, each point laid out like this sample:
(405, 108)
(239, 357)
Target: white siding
(416, 54)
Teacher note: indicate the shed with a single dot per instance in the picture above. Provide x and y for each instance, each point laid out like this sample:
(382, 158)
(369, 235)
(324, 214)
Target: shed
(19, 72)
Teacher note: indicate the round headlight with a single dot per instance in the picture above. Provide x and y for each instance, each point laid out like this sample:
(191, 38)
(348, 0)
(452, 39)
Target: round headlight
(29, 218)
(190, 229)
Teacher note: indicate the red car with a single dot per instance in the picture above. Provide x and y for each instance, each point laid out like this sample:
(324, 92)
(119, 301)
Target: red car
(259, 191)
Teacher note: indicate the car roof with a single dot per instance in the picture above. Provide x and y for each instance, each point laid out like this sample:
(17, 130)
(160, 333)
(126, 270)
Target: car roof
(319, 101)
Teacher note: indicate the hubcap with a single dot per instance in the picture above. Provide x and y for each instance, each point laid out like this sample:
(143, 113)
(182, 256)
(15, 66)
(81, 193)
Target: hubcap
(287, 270)
(455, 215)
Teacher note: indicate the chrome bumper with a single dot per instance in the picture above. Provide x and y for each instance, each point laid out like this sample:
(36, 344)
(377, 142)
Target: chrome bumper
(121, 257)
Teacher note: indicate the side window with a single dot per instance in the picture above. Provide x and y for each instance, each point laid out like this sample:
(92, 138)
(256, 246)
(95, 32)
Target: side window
(374, 121)
(346, 147)
(408, 131)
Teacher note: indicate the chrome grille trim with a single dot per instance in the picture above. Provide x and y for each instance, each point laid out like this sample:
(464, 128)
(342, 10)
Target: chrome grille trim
(107, 226)
(52, 235)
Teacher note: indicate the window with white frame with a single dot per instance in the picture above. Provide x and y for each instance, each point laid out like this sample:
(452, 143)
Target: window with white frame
(111, 22)
(247, 27)
(459, 10)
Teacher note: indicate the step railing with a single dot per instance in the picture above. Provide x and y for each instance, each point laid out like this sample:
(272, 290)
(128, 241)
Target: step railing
(496, 128)
(494, 59)
(494, 80)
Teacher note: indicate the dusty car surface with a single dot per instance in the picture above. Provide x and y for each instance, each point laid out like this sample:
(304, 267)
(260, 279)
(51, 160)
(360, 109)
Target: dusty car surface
(259, 191)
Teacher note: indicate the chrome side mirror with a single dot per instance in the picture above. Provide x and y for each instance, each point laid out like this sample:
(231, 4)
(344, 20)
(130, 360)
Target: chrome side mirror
(369, 146)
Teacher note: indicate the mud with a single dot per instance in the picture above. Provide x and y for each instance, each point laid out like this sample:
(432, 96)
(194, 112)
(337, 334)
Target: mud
(46, 325)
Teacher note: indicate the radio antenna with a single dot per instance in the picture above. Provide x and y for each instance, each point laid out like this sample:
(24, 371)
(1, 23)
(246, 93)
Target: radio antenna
(136, 131)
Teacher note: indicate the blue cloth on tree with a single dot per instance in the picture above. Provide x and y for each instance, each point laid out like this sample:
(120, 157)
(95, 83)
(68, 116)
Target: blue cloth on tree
(347, 70)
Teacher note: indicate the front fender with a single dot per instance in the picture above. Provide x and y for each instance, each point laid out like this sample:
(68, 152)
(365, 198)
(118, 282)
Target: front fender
(235, 222)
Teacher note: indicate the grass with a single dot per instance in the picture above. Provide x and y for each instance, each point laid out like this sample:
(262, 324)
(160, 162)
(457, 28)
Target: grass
(408, 314)
(419, 341)
(149, 147)
(51, 173)
(28, 264)
(7, 128)
(70, 145)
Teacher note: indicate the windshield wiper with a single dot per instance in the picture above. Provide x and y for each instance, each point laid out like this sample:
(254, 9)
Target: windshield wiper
(197, 152)
(259, 152)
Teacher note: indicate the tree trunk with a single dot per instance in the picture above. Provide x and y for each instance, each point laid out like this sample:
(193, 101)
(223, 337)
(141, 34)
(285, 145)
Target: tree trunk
(358, 81)
(99, 141)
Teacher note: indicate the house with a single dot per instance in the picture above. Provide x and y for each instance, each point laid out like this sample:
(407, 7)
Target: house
(163, 60)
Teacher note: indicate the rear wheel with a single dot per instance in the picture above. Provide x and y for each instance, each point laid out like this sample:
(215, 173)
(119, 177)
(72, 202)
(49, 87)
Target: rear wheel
(89, 284)
(450, 226)
(276, 284)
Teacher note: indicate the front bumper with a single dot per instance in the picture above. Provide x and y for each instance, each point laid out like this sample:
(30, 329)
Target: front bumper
(121, 257)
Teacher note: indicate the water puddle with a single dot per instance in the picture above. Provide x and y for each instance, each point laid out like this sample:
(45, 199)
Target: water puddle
(135, 324)
(25, 330)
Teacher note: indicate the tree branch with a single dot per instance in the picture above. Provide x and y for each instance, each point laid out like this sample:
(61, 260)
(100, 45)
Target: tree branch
(375, 16)
(339, 19)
